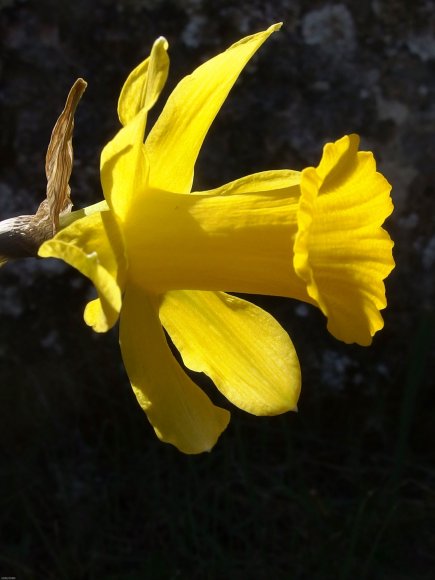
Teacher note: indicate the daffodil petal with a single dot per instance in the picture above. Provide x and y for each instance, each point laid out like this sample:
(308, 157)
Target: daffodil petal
(263, 181)
(145, 83)
(123, 166)
(179, 410)
(242, 348)
(174, 142)
(99, 316)
(237, 238)
(92, 245)
(341, 250)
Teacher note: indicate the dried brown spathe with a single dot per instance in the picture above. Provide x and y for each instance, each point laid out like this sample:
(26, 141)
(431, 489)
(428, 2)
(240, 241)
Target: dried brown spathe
(22, 235)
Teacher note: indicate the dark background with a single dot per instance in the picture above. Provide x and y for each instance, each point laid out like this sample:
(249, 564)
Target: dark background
(342, 490)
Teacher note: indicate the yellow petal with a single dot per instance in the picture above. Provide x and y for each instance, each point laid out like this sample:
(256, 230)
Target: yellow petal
(93, 246)
(123, 166)
(145, 83)
(175, 140)
(272, 180)
(179, 410)
(341, 250)
(242, 348)
(236, 238)
(97, 317)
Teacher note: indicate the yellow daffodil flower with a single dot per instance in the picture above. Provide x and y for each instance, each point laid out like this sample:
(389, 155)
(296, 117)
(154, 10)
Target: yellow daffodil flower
(162, 256)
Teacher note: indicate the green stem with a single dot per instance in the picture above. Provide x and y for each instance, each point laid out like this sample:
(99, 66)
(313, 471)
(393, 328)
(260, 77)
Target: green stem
(70, 218)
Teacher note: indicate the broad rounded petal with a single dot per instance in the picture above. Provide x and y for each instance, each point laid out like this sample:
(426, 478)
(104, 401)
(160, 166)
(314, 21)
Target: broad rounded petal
(145, 83)
(341, 250)
(179, 410)
(93, 246)
(242, 348)
(234, 238)
(175, 140)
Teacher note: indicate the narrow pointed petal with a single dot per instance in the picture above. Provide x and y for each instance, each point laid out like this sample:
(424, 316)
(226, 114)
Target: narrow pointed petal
(341, 250)
(93, 246)
(242, 348)
(175, 140)
(237, 238)
(123, 166)
(124, 169)
(179, 410)
(273, 180)
(145, 83)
